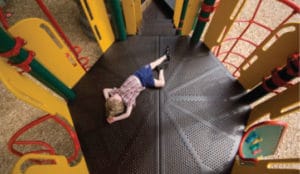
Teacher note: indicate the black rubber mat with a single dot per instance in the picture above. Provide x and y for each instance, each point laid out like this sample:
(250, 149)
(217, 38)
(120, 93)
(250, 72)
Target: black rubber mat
(171, 3)
(200, 122)
(192, 125)
(157, 20)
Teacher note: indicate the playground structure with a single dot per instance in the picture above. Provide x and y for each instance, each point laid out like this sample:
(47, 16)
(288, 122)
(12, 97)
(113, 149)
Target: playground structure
(250, 70)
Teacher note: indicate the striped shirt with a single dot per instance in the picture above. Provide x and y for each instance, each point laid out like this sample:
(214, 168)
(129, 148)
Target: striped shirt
(129, 90)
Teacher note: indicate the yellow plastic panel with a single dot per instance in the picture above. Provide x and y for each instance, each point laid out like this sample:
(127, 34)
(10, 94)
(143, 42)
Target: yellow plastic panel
(97, 15)
(191, 13)
(266, 60)
(61, 165)
(263, 167)
(129, 14)
(177, 12)
(31, 92)
(50, 49)
(138, 12)
(223, 19)
(280, 105)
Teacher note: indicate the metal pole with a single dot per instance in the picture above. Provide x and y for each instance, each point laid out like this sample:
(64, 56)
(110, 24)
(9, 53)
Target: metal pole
(38, 71)
(279, 78)
(182, 16)
(117, 18)
(203, 18)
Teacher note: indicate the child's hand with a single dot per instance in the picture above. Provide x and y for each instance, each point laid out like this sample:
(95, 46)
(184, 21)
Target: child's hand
(110, 119)
(106, 92)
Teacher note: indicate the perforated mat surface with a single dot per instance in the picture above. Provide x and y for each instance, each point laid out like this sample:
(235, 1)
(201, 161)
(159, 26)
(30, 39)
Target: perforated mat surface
(192, 125)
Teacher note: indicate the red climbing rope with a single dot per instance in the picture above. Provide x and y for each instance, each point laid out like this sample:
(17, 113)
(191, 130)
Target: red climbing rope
(56, 26)
(3, 19)
(84, 61)
(241, 37)
(58, 29)
(292, 4)
(48, 148)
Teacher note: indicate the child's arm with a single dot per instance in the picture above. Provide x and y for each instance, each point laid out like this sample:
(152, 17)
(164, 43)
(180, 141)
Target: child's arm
(112, 119)
(106, 92)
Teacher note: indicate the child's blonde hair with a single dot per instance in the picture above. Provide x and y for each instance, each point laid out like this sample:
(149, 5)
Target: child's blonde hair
(114, 107)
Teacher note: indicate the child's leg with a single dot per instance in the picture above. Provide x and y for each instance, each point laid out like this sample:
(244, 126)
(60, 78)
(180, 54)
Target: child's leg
(158, 61)
(160, 82)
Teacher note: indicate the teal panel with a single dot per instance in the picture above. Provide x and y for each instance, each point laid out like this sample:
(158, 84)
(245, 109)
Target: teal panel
(270, 135)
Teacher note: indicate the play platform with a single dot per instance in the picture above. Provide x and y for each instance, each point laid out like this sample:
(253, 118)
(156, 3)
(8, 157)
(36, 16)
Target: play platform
(192, 125)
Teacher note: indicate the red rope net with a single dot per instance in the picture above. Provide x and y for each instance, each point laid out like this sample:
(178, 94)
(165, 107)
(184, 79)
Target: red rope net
(230, 52)
(46, 148)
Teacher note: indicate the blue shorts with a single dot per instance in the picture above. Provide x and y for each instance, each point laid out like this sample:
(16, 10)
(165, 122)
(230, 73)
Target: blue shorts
(146, 76)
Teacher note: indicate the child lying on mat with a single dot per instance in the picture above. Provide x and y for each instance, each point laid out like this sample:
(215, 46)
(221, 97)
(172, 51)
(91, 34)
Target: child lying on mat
(117, 99)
